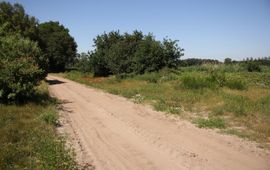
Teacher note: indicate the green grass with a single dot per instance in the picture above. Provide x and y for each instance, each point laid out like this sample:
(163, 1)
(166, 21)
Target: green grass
(28, 136)
(236, 84)
(210, 123)
(194, 81)
(213, 92)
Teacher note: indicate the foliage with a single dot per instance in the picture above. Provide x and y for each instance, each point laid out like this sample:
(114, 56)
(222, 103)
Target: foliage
(82, 62)
(117, 53)
(253, 67)
(13, 19)
(50, 118)
(227, 61)
(218, 76)
(197, 61)
(57, 45)
(236, 84)
(29, 143)
(19, 71)
(195, 82)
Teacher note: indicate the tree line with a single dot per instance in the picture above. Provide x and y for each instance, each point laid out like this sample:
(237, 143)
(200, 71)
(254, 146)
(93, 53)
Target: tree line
(134, 53)
(29, 50)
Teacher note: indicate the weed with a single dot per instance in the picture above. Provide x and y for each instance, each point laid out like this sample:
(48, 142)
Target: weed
(50, 118)
(238, 133)
(218, 111)
(218, 76)
(238, 105)
(236, 84)
(138, 98)
(152, 77)
(160, 105)
(210, 123)
(195, 82)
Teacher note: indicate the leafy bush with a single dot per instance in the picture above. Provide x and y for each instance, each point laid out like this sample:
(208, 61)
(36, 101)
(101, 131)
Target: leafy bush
(253, 67)
(19, 72)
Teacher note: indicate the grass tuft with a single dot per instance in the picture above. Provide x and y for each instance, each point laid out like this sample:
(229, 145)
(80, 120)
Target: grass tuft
(210, 123)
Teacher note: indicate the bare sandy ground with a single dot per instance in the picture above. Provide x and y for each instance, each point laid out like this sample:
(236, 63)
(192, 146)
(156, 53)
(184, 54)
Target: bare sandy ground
(114, 133)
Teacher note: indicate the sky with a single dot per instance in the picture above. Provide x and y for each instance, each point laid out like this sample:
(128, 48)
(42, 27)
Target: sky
(213, 29)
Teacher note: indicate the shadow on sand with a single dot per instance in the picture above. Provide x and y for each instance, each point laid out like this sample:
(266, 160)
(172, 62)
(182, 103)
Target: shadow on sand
(54, 82)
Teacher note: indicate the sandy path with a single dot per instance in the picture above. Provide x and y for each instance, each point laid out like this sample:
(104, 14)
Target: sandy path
(118, 134)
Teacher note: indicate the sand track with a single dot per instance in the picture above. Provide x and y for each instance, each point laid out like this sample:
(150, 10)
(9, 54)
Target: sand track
(118, 134)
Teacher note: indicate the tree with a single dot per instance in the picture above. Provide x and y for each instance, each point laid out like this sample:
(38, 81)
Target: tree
(227, 61)
(172, 53)
(148, 56)
(57, 45)
(253, 67)
(126, 53)
(82, 62)
(13, 19)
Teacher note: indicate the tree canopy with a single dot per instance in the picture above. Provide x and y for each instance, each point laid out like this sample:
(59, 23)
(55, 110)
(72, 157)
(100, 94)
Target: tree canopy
(57, 45)
(126, 53)
(13, 19)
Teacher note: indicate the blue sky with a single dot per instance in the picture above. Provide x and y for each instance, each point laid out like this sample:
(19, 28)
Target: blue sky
(205, 28)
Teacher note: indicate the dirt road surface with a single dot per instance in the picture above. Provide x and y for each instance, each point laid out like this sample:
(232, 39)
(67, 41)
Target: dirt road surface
(115, 133)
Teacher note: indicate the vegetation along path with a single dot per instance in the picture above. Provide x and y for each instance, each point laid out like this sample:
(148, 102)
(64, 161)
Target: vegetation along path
(115, 133)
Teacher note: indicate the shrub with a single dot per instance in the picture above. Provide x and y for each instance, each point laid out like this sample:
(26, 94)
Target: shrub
(19, 72)
(253, 67)
(236, 84)
(218, 77)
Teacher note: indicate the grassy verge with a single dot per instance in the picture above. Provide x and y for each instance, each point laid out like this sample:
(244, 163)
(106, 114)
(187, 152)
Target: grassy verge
(210, 98)
(28, 136)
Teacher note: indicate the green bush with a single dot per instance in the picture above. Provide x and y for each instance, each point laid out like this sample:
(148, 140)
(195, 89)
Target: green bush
(19, 72)
(253, 67)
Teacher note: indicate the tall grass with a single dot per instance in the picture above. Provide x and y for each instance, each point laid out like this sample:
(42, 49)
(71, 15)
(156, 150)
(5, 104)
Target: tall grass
(28, 138)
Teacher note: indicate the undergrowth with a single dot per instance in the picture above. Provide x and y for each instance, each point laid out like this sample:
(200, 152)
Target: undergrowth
(28, 136)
